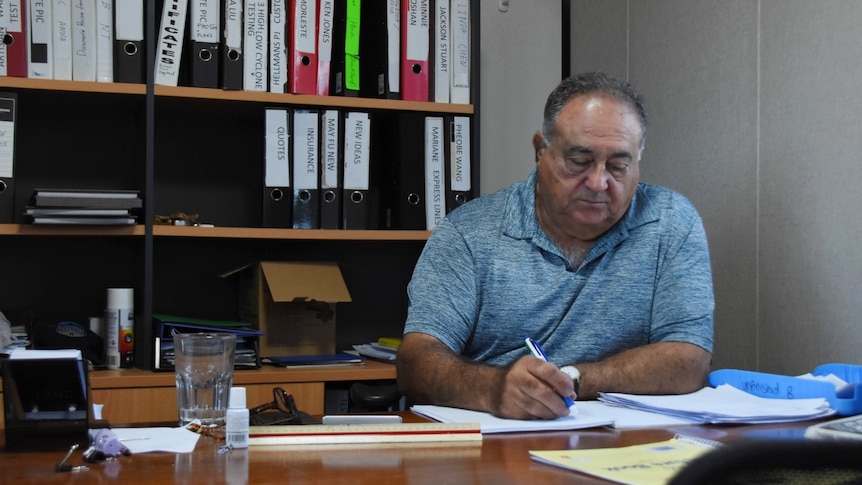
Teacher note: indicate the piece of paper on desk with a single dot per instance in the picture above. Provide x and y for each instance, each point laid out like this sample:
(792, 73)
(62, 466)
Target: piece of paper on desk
(644, 464)
(45, 354)
(624, 418)
(492, 424)
(724, 404)
(145, 440)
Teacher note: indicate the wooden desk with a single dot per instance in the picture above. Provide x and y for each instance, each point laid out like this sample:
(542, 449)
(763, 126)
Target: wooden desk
(500, 458)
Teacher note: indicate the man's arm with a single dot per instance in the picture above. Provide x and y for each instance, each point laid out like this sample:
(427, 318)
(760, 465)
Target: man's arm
(659, 368)
(430, 372)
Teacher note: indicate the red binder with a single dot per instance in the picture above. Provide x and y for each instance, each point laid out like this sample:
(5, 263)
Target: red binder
(302, 55)
(15, 39)
(415, 37)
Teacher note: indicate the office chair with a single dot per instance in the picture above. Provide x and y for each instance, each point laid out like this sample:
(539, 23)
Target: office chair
(776, 462)
(374, 396)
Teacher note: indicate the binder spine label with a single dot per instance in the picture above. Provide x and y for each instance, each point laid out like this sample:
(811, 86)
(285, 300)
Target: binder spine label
(357, 127)
(7, 136)
(205, 21)
(434, 202)
(277, 47)
(169, 53)
(305, 25)
(460, 151)
(461, 43)
(393, 39)
(329, 150)
(277, 172)
(305, 149)
(418, 29)
(256, 54)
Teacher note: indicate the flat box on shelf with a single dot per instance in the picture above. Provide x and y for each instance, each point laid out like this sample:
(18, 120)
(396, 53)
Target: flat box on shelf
(293, 303)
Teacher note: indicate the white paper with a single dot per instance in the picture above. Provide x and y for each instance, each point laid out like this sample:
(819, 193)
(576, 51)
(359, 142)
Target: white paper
(724, 404)
(146, 440)
(492, 424)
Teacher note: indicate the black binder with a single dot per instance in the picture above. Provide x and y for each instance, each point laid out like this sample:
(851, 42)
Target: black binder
(277, 194)
(357, 174)
(205, 28)
(374, 54)
(129, 55)
(336, 64)
(230, 49)
(331, 168)
(306, 168)
(403, 158)
(8, 115)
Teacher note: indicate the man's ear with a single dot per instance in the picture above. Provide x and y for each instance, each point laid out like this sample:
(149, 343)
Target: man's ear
(539, 144)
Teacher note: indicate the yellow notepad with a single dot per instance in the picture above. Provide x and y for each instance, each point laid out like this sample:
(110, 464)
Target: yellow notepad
(646, 464)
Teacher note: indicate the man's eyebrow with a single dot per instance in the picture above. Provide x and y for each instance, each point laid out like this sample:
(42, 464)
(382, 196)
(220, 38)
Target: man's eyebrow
(582, 150)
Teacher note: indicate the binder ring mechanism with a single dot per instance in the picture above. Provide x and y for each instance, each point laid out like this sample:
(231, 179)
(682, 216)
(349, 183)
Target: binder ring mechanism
(130, 48)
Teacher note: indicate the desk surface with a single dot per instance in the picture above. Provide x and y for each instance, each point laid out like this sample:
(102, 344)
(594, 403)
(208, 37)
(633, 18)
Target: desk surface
(500, 458)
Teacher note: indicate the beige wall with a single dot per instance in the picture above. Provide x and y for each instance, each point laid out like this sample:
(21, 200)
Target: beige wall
(756, 115)
(519, 66)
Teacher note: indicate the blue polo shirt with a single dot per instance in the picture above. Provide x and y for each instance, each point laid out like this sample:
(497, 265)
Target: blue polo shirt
(489, 276)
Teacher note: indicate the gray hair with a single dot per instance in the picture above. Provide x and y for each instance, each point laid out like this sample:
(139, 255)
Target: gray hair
(589, 83)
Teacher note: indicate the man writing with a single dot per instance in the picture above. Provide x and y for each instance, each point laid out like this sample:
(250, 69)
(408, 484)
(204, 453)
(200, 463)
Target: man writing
(612, 277)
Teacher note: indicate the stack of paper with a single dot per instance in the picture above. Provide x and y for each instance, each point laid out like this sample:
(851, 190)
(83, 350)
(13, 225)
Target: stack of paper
(724, 404)
(376, 351)
(492, 424)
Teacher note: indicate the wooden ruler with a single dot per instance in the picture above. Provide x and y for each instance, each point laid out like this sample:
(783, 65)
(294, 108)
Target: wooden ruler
(363, 433)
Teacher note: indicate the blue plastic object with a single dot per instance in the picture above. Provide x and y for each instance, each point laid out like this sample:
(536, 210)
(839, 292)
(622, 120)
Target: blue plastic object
(846, 402)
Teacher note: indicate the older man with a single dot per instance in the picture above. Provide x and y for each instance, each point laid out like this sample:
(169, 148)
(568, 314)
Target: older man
(611, 276)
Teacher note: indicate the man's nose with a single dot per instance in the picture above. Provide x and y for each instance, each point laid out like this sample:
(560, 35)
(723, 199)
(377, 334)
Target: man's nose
(597, 178)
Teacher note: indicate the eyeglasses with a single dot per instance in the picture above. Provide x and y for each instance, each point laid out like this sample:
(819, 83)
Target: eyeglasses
(281, 410)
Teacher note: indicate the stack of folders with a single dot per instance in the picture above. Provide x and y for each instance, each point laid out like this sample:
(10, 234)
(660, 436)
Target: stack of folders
(84, 40)
(331, 169)
(325, 47)
(165, 327)
(84, 206)
(384, 349)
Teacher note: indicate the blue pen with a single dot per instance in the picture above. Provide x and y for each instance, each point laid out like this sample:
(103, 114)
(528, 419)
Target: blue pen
(538, 353)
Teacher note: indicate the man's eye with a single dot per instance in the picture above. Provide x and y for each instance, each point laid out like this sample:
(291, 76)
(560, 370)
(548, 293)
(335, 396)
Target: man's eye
(579, 163)
(618, 169)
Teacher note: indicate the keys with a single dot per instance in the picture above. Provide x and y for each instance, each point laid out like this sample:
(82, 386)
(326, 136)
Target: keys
(62, 466)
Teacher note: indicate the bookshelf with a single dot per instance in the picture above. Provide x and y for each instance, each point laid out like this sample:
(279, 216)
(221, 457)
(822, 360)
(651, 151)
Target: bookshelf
(196, 150)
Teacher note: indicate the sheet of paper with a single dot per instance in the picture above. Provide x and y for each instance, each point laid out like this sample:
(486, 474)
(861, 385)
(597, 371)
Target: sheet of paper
(724, 404)
(646, 464)
(632, 418)
(145, 440)
(493, 424)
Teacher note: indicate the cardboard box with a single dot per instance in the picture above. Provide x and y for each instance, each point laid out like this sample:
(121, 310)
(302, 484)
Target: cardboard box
(293, 303)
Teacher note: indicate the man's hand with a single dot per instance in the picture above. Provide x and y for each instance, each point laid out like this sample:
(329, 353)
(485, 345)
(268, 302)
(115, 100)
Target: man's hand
(430, 372)
(533, 388)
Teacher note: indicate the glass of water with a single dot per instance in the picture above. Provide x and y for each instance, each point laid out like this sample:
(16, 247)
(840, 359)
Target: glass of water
(204, 370)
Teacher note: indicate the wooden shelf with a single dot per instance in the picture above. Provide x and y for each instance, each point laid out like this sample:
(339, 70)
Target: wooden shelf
(69, 230)
(249, 96)
(214, 232)
(292, 234)
(138, 378)
(80, 86)
(308, 100)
